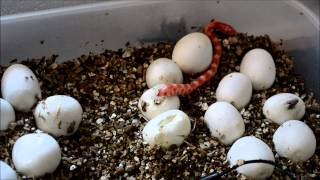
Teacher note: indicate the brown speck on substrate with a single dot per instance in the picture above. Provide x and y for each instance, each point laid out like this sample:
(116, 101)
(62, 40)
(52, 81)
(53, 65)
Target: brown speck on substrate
(109, 150)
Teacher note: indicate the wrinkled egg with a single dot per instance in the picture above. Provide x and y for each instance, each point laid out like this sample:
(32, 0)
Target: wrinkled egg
(36, 154)
(152, 105)
(259, 66)
(7, 114)
(58, 115)
(6, 172)
(235, 88)
(295, 141)
(163, 71)
(251, 148)
(193, 53)
(166, 129)
(282, 107)
(224, 122)
(20, 87)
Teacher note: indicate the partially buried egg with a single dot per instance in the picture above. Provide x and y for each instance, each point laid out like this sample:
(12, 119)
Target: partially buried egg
(152, 105)
(58, 115)
(163, 71)
(6, 172)
(20, 87)
(193, 53)
(259, 66)
(7, 114)
(235, 88)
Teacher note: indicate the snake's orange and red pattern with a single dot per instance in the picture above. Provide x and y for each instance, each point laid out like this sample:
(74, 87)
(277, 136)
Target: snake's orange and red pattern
(183, 89)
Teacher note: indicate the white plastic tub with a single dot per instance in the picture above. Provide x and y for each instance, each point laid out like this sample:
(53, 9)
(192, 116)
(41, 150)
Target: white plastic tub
(73, 31)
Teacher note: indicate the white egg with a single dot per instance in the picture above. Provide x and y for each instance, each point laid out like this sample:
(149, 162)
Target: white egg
(166, 129)
(193, 53)
(251, 148)
(7, 114)
(235, 88)
(36, 154)
(224, 122)
(163, 71)
(259, 66)
(20, 87)
(152, 105)
(6, 172)
(295, 141)
(58, 115)
(282, 107)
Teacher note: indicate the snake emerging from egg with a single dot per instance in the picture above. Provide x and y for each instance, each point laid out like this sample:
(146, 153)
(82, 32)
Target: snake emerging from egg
(184, 89)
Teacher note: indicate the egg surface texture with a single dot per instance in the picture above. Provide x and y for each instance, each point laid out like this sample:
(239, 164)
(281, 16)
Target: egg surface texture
(235, 88)
(193, 53)
(20, 87)
(224, 122)
(58, 115)
(163, 71)
(6, 172)
(251, 148)
(36, 154)
(166, 129)
(259, 66)
(7, 114)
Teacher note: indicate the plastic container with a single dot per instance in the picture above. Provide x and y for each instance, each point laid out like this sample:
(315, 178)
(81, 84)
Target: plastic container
(73, 31)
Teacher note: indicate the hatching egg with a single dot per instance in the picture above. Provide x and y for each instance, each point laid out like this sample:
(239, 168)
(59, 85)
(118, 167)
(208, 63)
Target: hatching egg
(58, 115)
(235, 88)
(259, 66)
(152, 105)
(36, 154)
(193, 53)
(6, 172)
(282, 107)
(251, 148)
(7, 114)
(166, 129)
(163, 71)
(224, 122)
(295, 141)
(20, 87)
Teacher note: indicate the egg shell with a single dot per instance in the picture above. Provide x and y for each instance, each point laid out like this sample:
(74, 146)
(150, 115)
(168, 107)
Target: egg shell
(163, 71)
(36, 154)
(295, 141)
(7, 114)
(259, 66)
(152, 105)
(6, 172)
(235, 88)
(251, 148)
(166, 129)
(20, 87)
(282, 107)
(58, 115)
(193, 53)
(224, 122)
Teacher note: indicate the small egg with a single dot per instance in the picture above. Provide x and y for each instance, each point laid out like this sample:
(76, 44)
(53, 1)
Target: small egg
(163, 71)
(58, 115)
(7, 114)
(251, 148)
(36, 154)
(235, 88)
(20, 87)
(224, 122)
(295, 140)
(193, 53)
(6, 172)
(282, 107)
(152, 105)
(259, 66)
(166, 129)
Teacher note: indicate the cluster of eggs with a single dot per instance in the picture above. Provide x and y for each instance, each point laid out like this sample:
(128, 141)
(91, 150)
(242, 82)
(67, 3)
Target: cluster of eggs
(38, 153)
(167, 125)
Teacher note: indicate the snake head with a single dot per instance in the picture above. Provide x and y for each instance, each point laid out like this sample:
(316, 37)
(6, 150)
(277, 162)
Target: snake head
(222, 27)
